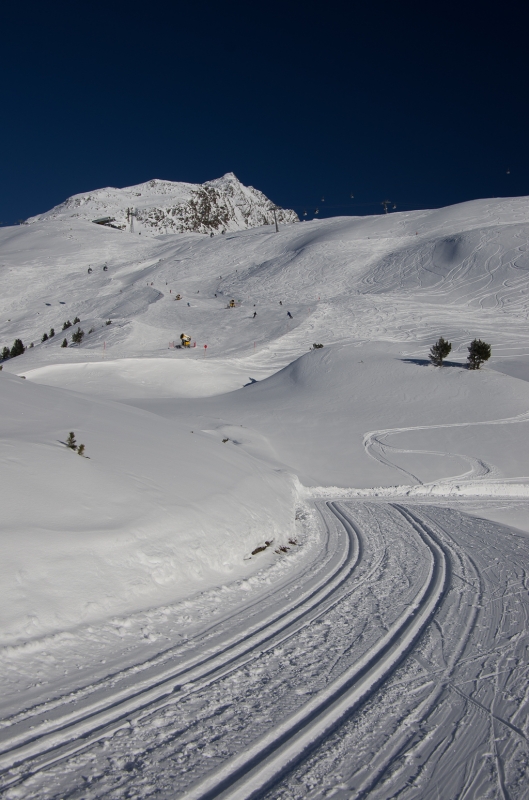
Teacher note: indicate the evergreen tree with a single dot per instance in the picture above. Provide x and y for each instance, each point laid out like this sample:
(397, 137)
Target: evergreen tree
(52, 333)
(80, 450)
(66, 325)
(6, 353)
(77, 337)
(439, 351)
(70, 441)
(44, 337)
(64, 343)
(17, 349)
(76, 320)
(478, 352)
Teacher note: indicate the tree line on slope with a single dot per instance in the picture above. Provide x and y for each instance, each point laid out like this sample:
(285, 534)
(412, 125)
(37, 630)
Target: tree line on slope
(77, 337)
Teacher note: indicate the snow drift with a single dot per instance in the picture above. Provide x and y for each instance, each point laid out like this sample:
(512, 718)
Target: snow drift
(153, 513)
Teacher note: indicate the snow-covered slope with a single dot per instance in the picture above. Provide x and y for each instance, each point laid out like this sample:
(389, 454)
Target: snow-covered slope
(325, 413)
(151, 511)
(366, 411)
(159, 206)
(183, 612)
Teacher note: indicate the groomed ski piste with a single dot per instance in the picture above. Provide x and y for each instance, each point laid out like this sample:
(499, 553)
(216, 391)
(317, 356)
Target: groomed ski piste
(276, 572)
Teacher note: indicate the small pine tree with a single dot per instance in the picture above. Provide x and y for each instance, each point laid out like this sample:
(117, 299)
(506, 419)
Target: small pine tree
(439, 351)
(478, 352)
(52, 333)
(80, 450)
(108, 322)
(77, 337)
(66, 325)
(6, 353)
(76, 320)
(90, 331)
(44, 337)
(18, 348)
(64, 343)
(70, 441)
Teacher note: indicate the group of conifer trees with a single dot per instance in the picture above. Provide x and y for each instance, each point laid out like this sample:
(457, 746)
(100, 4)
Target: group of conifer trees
(478, 353)
(19, 348)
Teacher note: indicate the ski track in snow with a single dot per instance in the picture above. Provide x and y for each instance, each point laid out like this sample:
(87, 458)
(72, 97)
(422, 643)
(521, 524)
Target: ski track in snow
(377, 447)
(409, 634)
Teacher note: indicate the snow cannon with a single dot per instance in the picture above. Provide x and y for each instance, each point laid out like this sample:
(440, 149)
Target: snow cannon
(186, 340)
(231, 304)
(178, 297)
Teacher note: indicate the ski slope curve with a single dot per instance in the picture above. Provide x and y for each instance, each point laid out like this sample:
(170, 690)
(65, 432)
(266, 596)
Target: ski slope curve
(377, 447)
(306, 729)
(365, 674)
(355, 564)
(35, 732)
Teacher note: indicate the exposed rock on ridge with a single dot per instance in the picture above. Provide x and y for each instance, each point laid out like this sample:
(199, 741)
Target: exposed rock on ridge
(170, 207)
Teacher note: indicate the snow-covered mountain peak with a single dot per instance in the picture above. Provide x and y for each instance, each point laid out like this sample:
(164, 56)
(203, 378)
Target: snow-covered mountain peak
(161, 206)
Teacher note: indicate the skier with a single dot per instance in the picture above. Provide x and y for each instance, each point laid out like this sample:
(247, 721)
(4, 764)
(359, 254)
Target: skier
(289, 315)
(254, 314)
(280, 302)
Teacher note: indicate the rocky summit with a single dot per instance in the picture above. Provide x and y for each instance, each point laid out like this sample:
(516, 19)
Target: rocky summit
(159, 207)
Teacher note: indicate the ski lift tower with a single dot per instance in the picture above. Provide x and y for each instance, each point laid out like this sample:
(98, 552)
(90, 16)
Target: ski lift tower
(275, 209)
(130, 218)
(385, 203)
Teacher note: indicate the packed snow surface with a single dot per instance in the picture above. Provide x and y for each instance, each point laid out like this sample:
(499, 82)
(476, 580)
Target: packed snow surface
(276, 570)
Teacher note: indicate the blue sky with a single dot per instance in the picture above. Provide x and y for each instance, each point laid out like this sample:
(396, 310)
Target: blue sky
(422, 106)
